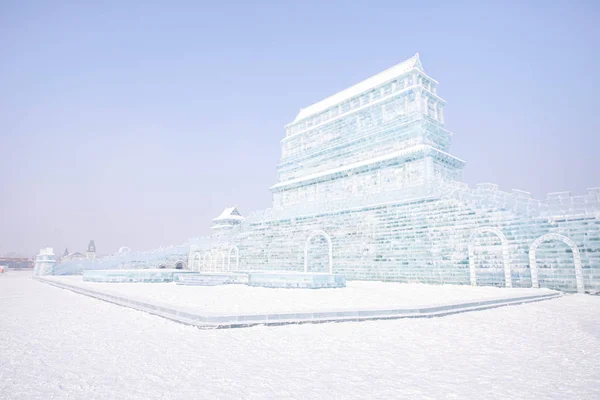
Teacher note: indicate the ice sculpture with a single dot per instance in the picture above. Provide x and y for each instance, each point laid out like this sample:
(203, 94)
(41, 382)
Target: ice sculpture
(368, 189)
(44, 262)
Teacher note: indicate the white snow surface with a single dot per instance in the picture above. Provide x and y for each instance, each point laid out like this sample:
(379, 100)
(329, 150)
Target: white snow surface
(242, 299)
(56, 344)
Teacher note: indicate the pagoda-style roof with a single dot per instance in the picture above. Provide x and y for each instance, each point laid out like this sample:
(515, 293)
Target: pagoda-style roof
(229, 214)
(369, 83)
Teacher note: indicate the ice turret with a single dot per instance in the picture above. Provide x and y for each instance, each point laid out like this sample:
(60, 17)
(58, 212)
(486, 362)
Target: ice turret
(229, 218)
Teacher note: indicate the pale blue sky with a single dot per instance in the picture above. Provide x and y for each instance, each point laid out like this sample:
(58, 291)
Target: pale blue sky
(136, 122)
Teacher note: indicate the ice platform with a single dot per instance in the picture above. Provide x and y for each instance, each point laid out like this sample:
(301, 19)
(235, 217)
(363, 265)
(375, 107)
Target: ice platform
(304, 280)
(211, 278)
(267, 279)
(133, 275)
(232, 306)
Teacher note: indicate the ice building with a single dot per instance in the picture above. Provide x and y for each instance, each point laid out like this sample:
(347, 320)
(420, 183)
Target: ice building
(368, 188)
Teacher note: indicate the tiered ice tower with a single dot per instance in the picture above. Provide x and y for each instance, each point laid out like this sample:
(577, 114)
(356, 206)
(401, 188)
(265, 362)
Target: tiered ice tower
(382, 134)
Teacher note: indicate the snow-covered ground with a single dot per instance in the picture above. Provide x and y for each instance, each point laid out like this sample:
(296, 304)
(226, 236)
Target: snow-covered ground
(58, 344)
(233, 299)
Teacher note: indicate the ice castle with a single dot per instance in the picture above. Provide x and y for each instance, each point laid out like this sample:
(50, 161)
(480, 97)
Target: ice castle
(368, 188)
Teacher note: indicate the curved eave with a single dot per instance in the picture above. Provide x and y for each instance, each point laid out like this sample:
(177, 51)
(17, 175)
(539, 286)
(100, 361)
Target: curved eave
(222, 226)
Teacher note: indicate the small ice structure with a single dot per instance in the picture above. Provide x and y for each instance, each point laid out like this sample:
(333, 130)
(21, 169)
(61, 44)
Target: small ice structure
(44, 262)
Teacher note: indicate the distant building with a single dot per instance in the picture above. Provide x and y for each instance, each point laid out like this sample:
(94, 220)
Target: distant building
(16, 263)
(90, 254)
(73, 256)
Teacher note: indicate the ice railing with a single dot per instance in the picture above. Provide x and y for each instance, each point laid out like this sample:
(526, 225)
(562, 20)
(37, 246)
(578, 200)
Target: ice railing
(559, 204)
(166, 256)
(489, 195)
(520, 202)
(484, 195)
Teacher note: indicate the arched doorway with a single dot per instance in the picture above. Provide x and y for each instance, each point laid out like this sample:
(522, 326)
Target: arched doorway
(504, 249)
(196, 262)
(180, 265)
(233, 249)
(162, 267)
(327, 238)
(576, 259)
(206, 262)
(220, 257)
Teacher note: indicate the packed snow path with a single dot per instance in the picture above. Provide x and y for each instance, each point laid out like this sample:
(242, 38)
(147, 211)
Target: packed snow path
(58, 344)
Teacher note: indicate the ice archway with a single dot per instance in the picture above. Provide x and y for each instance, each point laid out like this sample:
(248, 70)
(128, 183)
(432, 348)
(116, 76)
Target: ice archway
(237, 258)
(576, 259)
(207, 261)
(505, 256)
(180, 264)
(329, 249)
(196, 262)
